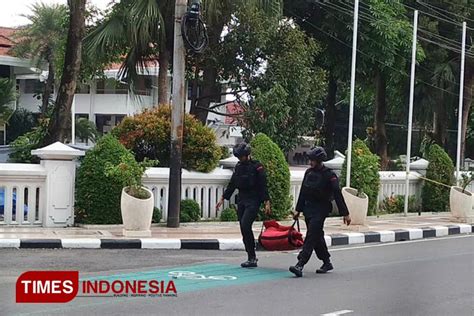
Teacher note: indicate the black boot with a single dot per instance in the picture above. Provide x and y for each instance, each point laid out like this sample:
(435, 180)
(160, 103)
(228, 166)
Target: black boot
(251, 263)
(297, 269)
(327, 266)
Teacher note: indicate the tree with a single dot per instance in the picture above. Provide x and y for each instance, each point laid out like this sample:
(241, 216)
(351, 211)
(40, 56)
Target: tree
(59, 126)
(140, 30)
(41, 41)
(272, 61)
(7, 95)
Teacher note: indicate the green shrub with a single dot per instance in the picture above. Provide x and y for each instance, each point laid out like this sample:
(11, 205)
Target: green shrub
(435, 197)
(98, 196)
(190, 211)
(229, 214)
(365, 176)
(156, 215)
(148, 135)
(21, 122)
(23, 145)
(224, 152)
(396, 204)
(278, 174)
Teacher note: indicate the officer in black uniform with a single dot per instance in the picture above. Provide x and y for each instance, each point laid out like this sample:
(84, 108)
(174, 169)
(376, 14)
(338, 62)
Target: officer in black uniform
(320, 184)
(249, 177)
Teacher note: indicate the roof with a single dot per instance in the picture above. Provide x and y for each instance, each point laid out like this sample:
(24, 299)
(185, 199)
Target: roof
(6, 41)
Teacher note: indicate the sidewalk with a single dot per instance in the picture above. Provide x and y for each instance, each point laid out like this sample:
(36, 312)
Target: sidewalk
(226, 235)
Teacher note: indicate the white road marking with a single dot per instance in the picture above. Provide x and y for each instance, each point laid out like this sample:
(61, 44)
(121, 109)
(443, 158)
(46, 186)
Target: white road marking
(345, 311)
(397, 243)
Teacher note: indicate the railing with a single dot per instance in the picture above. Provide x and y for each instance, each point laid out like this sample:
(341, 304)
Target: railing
(22, 196)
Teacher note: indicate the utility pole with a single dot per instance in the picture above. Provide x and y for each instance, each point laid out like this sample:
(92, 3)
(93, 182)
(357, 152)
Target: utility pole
(351, 106)
(177, 117)
(461, 99)
(410, 109)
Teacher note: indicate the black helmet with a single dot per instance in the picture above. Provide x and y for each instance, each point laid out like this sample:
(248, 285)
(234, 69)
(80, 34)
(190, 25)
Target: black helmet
(242, 149)
(318, 154)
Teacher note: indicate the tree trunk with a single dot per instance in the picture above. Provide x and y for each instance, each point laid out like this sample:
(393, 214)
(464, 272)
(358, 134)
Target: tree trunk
(163, 84)
(468, 87)
(60, 125)
(440, 126)
(209, 83)
(48, 86)
(330, 117)
(381, 143)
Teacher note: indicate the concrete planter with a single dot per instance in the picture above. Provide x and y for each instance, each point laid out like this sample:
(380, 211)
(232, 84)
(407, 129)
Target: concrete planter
(136, 214)
(461, 205)
(357, 205)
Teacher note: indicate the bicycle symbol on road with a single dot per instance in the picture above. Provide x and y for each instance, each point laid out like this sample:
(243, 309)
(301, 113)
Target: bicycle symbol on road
(189, 275)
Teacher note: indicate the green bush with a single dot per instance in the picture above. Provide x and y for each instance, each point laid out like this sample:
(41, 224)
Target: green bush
(365, 176)
(21, 122)
(435, 197)
(156, 215)
(278, 174)
(148, 135)
(229, 214)
(98, 196)
(23, 145)
(224, 152)
(190, 211)
(396, 204)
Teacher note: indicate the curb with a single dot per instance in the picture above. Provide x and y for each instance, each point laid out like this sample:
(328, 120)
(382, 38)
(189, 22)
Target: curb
(232, 244)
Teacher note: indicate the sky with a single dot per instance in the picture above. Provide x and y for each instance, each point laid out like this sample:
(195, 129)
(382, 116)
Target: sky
(12, 9)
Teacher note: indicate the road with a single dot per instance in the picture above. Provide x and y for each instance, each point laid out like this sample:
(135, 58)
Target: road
(426, 277)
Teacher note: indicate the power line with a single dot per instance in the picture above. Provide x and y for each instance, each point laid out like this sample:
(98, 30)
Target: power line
(435, 8)
(371, 57)
(398, 54)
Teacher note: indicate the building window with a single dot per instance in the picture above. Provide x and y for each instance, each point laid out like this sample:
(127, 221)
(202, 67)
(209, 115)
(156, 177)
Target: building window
(105, 123)
(33, 86)
(111, 86)
(82, 88)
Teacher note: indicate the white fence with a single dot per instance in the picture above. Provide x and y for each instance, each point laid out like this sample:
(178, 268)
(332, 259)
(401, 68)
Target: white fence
(44, 194)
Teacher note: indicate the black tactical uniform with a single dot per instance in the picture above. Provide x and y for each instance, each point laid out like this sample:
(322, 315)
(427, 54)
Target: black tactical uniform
(320, 185)
(250, 179)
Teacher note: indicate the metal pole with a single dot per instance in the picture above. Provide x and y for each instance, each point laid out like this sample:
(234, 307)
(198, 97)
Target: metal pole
(177, 118)
(351, 106)
(461, 100)
(73, 120)
(410, 111)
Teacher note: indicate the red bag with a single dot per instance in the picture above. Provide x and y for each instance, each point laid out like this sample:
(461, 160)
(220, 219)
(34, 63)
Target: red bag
(278, 237)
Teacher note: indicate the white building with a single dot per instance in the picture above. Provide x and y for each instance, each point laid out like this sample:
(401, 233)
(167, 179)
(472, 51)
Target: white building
(104, 101)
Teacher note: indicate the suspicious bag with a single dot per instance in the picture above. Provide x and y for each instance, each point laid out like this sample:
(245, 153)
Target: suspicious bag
(278, 237)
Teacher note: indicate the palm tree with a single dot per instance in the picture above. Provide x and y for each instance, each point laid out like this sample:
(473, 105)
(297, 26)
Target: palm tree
(41, 41)
(7, 95)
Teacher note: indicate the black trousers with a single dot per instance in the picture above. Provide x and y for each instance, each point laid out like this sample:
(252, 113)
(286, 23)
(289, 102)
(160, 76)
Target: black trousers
(314, 240)
(247, 213)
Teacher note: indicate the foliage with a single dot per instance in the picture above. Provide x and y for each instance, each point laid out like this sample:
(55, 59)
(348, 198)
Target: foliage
(273, 59)
(224, 152)
(7, 95)
(21, 122)
(24, 144)
(278, 174)
(229, 214)
(157, 215)
(130, 172)
(148, 136)
(435, 197)
(98, 196)
(466, 180)
(364, 173)
(190, 211)
(396, 204)
(86, 130)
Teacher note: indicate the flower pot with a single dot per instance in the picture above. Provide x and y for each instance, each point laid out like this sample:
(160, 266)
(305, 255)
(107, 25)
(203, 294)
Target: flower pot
(461, 204)
(136, 214)
(357, 205)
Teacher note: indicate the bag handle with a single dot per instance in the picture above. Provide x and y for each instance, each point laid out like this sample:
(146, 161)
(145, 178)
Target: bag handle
(297, 222)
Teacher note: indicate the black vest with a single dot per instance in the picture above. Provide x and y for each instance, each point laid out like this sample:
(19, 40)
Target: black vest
(246, 175)
(316, 185)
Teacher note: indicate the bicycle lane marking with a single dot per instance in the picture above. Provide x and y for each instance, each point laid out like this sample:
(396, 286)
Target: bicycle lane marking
(212, 279)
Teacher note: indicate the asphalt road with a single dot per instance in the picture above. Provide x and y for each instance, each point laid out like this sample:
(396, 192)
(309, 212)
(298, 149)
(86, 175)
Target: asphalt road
(427, 277)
